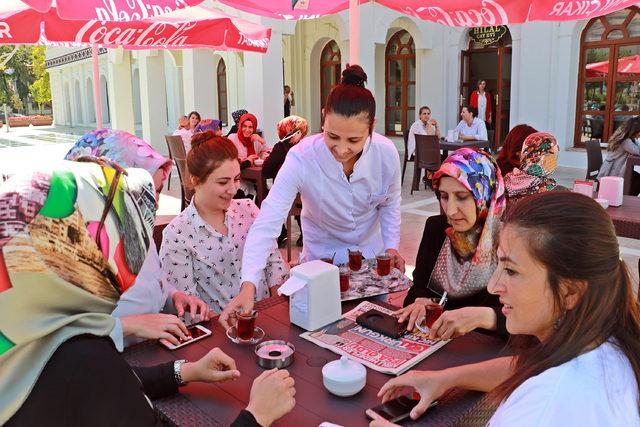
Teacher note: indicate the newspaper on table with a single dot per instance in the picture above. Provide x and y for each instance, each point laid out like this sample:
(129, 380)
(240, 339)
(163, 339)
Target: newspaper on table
(375, 350)
(366, 282)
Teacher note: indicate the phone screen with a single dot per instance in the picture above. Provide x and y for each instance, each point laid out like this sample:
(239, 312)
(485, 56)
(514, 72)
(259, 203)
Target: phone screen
(398, 409)
(195, 332)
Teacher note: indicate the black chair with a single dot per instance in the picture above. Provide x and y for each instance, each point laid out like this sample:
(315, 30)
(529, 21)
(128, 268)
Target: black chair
(594, 159)
(493, 148)
(179, 156)
(427, 157)
(405, 136)
(631, 178)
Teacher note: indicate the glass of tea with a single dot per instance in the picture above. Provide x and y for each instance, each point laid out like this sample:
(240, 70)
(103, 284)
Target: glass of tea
(383, 264)
(433, 311)
(355, 259)
(344, 279)
(246, 323)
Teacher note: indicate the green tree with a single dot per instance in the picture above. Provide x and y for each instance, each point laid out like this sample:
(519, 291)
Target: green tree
(41, 87)
(17, 75)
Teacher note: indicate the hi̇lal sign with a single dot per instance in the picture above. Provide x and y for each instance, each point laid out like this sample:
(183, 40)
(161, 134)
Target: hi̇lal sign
(487, 35)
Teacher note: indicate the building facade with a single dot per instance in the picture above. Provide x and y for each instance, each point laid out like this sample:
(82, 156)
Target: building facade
(575, 80)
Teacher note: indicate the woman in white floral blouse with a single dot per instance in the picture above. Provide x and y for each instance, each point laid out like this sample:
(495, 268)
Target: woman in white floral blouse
(202, 247)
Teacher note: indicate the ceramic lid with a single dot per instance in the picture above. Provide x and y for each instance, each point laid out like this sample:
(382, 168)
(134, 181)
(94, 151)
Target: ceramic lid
(344, 370)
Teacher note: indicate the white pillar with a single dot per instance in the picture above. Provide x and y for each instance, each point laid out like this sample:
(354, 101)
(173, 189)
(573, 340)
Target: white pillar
(120, 91)
(199, 80)
(153, 99)
(264, 86)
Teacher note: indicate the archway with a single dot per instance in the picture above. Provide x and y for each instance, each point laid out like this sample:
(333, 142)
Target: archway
(104, 100)
(221, 78)
(91, 107)
(67, 105)
(77, 95)
(330, 69)
(400, 83)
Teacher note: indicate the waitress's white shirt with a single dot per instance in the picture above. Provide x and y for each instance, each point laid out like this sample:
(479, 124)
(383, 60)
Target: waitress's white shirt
(337, 213)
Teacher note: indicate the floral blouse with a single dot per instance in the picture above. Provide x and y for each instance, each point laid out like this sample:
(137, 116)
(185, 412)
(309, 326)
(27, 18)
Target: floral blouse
(200, 261)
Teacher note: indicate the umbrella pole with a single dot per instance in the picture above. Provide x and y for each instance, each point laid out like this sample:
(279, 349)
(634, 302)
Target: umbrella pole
(354, 32)
(96, 85)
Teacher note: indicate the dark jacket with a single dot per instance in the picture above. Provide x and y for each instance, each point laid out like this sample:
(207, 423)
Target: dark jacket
(274, 162)
(432, 241)
(88, 383)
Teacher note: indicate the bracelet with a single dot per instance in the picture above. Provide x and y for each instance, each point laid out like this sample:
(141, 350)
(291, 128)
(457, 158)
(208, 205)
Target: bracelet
(177, 372)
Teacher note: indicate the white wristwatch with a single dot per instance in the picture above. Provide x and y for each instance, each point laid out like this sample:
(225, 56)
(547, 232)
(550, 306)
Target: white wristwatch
(177, 372)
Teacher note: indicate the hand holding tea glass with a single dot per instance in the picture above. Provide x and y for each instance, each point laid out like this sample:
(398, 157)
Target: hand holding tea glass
(396, 259)
(423, 310)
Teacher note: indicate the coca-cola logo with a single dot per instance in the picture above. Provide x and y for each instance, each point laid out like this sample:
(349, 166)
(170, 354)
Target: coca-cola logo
(134, 10)
(5, 31)
(491, 13)
(156, 34)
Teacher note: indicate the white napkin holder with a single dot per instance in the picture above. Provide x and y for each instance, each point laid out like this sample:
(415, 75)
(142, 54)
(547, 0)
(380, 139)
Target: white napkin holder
(612, 189)
(314, 294)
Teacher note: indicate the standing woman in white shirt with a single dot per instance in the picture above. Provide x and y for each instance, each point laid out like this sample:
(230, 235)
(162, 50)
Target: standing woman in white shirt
(569, 304)
(349, 180)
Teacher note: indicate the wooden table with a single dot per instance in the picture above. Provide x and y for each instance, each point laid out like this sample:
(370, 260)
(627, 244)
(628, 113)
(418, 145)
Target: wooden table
(219, 403)
(626, 218)
(254, 173)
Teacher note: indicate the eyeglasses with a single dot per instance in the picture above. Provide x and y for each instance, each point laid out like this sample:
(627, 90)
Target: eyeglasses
(104, 162)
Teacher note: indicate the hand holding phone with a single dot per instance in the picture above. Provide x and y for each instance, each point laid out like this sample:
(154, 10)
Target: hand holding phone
(195, 333)
(397, 409)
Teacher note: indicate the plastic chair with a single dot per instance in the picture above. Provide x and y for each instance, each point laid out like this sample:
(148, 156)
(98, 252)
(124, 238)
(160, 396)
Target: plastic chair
(490, 137)
(179, 156)
(427, 157)
(405, 136)
(594, 159)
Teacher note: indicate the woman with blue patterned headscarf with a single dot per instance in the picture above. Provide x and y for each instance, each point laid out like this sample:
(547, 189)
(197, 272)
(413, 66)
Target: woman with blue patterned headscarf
(457, 253)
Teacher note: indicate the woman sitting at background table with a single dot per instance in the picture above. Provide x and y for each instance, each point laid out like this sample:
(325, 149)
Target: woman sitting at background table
(471, 128)
(538, 162)
(622, 144)
(425, 125)
(291, 130)
(509, 155)
(457, 253)
(60, 277)
(184, 132)
(202, 248)
(572, 312)
(348, 178)
(251, 147)
(139, 310)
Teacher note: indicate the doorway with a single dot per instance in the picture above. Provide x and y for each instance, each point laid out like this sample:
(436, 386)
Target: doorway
(489, 59)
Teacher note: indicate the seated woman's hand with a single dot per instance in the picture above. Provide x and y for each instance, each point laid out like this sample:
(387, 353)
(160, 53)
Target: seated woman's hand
(272, 396)
(212, 367)
(242, 302)
(429, 384)
(455, 323)
(414, 313)
(396, 259)
(198, 309)
(155, 326)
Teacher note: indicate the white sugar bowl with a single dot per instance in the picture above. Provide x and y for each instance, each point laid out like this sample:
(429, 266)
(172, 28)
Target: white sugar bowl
(344, 377)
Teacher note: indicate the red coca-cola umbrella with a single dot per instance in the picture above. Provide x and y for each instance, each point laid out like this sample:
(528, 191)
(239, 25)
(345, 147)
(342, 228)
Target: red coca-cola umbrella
(110, 10)
(185, 28)
(454, 13)
(626, 65)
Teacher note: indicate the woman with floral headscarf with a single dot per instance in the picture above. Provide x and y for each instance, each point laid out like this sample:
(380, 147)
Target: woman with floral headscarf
(291, 130)
(538, 162)
(457, 253)
(138, 313)
(70, 238)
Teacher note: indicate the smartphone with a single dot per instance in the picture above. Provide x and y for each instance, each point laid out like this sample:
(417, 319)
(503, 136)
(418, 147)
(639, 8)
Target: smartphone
(398, 409)
(196, 332)
(382, 322)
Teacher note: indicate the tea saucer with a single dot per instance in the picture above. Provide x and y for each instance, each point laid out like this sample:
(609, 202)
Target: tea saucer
(258, 334)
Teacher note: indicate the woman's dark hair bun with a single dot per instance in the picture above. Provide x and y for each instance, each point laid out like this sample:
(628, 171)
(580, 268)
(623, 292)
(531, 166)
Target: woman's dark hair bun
(200, 137)
(354, 75)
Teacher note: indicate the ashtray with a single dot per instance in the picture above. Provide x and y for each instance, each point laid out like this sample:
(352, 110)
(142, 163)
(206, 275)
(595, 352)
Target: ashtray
(258, 334)
(275, 354)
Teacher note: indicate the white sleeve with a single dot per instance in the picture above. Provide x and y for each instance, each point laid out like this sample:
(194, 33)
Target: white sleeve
(273, 212)
(482, 131)
(390, 217)
(117, 335)
(177, 266)
(411, 141)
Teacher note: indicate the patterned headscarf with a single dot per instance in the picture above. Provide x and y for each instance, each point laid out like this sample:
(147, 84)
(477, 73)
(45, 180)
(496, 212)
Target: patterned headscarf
(289, 124)
(237, 114)
(247, 141)
(538, 161)
(125, 149)
(474, 249)
(55, 281)
(208, 124)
